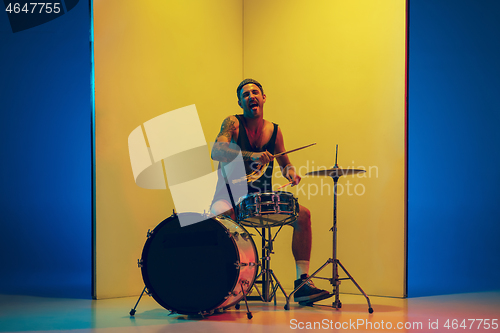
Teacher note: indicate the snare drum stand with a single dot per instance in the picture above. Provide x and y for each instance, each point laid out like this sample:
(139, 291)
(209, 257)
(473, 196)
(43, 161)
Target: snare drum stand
(335, 173)
(269, 281)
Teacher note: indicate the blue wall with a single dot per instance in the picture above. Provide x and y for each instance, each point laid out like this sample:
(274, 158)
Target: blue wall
(45, 132)
(454, 116)
(454, 122)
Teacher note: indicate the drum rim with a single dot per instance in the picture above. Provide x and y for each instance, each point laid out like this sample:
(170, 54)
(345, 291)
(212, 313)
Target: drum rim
(264, 193)
(256, 253)
(251, 224)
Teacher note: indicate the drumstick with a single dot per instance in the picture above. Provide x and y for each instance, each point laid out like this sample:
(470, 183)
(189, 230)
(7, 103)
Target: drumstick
(291, 151)
(284, 185)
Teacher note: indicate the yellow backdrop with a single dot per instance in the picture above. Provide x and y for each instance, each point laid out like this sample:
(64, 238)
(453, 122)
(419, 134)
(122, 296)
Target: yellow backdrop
(152, 57)
(333, 72)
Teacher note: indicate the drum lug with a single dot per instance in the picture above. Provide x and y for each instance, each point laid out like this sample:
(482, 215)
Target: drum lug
(206, 214)
(139, 263)
(206, 313)
(240, 264)
(246, 236)
(232, 234)
(231, 294)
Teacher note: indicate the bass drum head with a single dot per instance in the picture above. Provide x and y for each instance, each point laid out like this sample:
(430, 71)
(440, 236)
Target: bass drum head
(190, 269)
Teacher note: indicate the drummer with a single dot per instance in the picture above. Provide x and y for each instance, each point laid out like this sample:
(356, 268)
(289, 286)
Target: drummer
(259, 140)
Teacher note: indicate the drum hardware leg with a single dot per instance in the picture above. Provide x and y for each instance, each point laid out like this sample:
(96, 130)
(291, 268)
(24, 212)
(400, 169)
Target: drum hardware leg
(276, 234)
(260, 294)
(132, 312)
(269, 251)
(269, 293)
(278, 284)
(249, 314)
(269, 281)
(265, 266)
(272, 288)
(270, 242)
(260, 297)
(258, 276)
(370, 309)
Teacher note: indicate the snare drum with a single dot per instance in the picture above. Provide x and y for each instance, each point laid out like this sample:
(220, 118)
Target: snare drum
(268, 209)
(201, 267)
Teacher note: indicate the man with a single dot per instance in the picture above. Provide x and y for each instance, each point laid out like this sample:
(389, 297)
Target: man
(259, 140)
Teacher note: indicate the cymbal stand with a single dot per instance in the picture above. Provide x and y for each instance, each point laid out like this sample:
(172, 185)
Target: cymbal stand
(334, 280)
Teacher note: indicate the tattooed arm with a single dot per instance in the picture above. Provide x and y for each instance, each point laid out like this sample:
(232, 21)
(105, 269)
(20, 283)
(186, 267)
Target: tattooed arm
(225, 148)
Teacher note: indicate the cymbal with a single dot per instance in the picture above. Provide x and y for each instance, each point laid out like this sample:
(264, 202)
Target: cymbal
(335, 172)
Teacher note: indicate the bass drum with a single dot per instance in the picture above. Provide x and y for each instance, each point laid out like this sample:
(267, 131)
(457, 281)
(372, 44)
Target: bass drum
(201, 267)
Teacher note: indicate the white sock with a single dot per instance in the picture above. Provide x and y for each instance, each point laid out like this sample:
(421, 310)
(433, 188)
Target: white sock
(302, 267)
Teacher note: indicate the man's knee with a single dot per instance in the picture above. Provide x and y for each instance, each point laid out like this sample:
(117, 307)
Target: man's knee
(222, 207)
(305, 214)
(303, 220)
